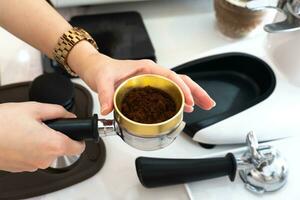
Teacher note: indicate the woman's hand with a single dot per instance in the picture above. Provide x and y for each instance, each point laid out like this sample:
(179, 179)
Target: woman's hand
(103, 74)
(26, 144)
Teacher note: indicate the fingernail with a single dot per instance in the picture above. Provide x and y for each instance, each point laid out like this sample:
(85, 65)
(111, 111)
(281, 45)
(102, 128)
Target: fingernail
(213, 103)
(189, 109)
(209, 105)
(104, 108)
(72, 115)
(192, 108)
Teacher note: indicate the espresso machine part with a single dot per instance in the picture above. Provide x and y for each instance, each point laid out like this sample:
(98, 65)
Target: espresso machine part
(91, 129)
(54, 89)
(57, 89)
(290, 8)
(139, 135)
(261, 168)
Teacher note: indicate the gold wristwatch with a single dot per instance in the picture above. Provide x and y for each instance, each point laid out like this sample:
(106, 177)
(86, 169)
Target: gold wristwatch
(65, 44)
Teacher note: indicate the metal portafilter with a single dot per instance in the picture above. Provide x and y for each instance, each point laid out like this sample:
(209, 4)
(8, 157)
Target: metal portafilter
(138, 135)
(91, 129)
(262, 168)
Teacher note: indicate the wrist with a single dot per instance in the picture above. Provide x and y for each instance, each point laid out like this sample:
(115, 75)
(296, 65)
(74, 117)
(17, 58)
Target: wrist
(87, 62)
(79, 56)
(67, 42)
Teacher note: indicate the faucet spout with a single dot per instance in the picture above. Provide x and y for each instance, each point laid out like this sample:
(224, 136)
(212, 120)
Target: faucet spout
(262, 4)
(291, 9)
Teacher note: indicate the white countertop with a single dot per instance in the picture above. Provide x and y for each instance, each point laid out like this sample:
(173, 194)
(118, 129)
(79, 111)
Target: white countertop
(180, 31)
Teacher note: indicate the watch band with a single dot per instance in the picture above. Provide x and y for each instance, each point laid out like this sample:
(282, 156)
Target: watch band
(65, 44)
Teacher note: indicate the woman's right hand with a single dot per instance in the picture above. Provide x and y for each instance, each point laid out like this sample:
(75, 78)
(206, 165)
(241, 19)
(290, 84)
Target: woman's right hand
(26, 143)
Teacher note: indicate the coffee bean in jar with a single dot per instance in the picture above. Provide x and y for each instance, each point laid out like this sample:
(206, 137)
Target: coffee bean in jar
(234, 19)
(148, 105)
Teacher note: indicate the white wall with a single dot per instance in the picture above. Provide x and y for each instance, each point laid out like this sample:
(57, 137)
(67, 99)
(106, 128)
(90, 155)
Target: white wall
(66, 3)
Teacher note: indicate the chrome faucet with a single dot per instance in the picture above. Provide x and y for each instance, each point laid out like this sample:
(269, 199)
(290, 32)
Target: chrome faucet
(290, 8)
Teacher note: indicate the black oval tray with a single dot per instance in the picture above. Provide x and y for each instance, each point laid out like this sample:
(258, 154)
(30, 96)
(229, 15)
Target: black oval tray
(236, 81)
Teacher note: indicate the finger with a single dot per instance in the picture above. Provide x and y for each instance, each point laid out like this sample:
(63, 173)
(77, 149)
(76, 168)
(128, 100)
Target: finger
(13, 170)
(106, 90)
(188, 109)
(201, 97)
(45, 111)
(55, 144)
(16, 166)
(29, 169)
(73, 147)
(155, 69)
(186, 90)
(63, 145)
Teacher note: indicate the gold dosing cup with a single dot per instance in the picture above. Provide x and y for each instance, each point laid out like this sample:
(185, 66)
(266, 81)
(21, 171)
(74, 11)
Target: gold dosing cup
(149, 130)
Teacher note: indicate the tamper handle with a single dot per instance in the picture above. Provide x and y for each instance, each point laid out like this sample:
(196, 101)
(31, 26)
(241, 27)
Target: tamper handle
(77, 129)
(154, 172)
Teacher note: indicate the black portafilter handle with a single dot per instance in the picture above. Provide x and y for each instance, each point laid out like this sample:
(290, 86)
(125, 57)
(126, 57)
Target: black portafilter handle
(155, 172)
(77, 129)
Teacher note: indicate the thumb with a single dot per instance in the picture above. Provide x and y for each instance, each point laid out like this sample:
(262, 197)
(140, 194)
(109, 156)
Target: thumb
(71, 147)
(63, 144)
(44, 111)
(106, 90)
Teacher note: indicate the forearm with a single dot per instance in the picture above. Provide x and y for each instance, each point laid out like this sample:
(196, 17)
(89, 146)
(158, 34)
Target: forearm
(40, 25)
(33, 21)
(37, 23)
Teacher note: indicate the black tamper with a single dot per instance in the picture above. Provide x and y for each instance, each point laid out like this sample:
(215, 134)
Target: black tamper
(55, 89)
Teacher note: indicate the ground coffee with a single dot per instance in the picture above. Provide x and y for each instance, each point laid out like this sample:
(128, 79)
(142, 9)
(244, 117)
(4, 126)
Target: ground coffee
(148, 105)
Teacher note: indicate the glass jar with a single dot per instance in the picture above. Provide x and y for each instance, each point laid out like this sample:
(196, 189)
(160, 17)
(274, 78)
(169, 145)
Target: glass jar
(234, 19)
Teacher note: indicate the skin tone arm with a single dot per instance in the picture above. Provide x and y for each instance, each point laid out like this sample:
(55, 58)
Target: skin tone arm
(42, 28)
(38, 24)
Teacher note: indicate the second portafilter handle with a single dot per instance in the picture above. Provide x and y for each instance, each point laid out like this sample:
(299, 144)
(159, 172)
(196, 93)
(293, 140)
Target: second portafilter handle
(155, 172)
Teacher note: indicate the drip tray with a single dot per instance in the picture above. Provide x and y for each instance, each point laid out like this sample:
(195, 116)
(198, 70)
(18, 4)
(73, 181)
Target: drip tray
(236, 81)
(30, 184)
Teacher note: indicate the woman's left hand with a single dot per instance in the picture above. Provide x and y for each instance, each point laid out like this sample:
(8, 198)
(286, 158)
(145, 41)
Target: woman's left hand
(103, 74)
